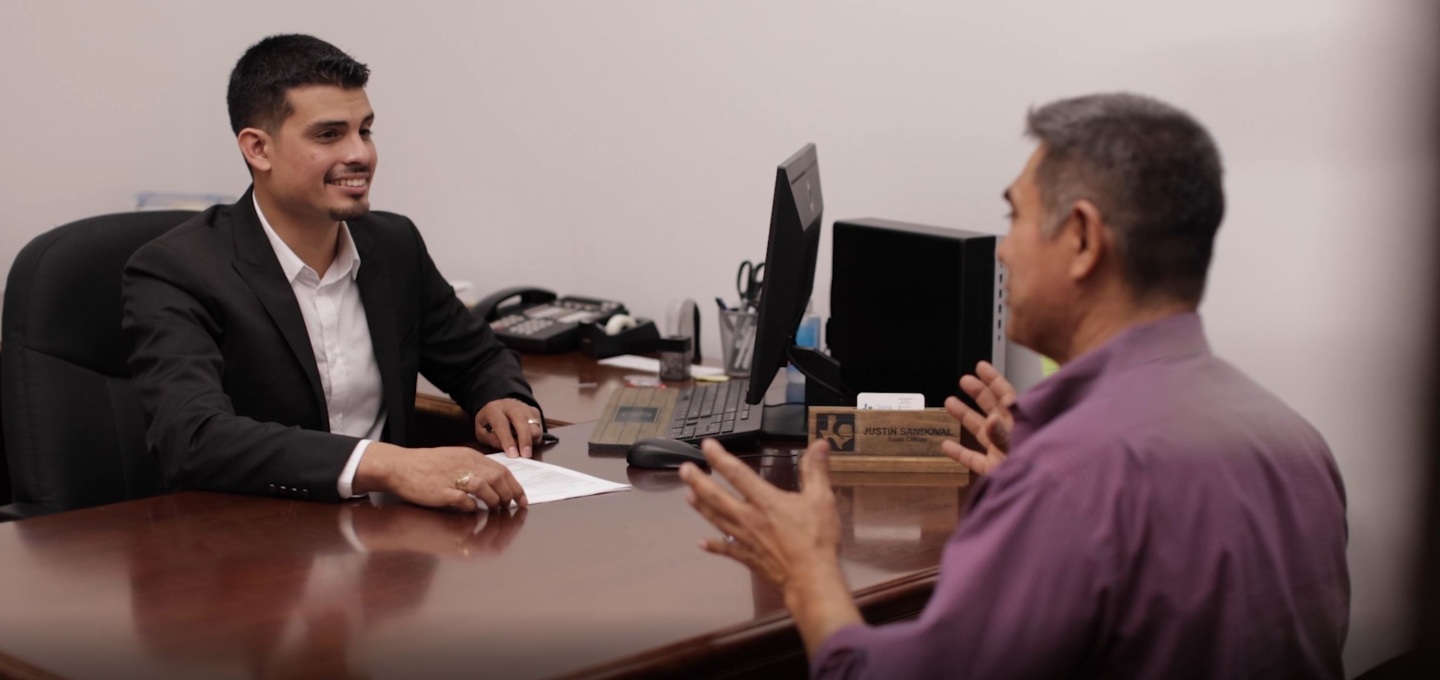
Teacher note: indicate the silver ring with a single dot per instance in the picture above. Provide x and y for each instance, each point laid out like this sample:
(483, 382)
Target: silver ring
(729, 538)
(532, 421)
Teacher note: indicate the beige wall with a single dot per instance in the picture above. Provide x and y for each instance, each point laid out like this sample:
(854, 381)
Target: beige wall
(627, 148)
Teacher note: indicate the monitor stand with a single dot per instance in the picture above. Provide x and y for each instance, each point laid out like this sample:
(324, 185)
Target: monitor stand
(822, 388)
(783, 421)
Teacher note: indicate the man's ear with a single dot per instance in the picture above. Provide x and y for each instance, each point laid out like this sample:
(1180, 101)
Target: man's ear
(256, 145)
(1086, 233)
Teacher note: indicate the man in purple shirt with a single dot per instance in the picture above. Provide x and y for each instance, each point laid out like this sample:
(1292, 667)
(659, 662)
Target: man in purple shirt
(1159, 515)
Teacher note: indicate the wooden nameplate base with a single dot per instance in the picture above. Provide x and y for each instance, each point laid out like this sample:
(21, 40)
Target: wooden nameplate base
(868, 440)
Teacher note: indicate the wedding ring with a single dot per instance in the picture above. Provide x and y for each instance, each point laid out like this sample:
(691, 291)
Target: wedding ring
(533, 421)
(462, 481)
(729, 538)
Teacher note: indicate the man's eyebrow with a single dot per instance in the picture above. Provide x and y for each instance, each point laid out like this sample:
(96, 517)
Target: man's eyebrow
(321, 124)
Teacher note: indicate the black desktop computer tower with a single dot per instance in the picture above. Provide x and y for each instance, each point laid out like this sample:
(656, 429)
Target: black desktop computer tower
(913, 307)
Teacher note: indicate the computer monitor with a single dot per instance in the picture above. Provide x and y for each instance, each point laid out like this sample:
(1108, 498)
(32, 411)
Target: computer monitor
(789, 267)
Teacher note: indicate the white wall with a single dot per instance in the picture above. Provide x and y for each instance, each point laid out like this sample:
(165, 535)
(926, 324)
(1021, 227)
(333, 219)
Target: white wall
(627, 148)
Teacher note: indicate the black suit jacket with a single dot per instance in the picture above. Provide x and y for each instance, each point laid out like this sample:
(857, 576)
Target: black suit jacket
(224, 367)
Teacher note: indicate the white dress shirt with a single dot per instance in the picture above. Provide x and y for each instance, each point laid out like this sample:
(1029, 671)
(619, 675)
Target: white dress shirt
(340, 337)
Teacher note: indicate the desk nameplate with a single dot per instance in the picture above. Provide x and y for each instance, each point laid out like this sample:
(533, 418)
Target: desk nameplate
(873, 440)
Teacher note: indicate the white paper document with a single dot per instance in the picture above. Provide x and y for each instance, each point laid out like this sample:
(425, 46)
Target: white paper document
(649, 365)
(544, 482)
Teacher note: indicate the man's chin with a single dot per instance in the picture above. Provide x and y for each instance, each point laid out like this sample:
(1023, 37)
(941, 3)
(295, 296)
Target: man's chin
(354, 211)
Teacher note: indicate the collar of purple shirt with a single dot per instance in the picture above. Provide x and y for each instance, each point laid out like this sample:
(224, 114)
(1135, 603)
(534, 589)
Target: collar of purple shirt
(1168, 339)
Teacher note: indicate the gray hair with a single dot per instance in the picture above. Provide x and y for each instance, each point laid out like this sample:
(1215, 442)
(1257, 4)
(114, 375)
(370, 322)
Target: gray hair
(1151, 170)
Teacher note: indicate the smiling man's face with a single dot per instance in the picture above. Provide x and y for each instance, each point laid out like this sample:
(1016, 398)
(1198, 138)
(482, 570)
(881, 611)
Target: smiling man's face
(322, 159)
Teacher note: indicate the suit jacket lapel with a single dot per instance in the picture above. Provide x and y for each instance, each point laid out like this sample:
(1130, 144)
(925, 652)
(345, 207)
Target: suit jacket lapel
(257, 264)
(377, 297)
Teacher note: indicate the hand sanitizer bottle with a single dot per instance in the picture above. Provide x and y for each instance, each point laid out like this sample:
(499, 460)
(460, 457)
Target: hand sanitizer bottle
(807, 335)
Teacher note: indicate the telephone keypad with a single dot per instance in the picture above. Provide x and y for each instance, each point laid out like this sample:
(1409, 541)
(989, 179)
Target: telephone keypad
(551, 326)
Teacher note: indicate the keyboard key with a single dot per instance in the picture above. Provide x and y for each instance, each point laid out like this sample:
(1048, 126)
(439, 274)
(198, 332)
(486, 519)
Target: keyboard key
(711, 410)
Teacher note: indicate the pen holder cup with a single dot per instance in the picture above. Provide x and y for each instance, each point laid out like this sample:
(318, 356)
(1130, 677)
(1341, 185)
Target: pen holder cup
(737, 340)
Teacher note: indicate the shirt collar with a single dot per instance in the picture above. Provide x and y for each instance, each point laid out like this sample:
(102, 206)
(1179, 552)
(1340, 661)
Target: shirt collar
(1168, 339)
(347, 258)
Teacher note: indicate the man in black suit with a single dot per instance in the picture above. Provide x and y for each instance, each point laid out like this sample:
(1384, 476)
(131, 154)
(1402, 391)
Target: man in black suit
(276, 341)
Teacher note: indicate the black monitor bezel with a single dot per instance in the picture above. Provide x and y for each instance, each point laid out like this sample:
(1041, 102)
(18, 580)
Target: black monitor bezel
(790, 255)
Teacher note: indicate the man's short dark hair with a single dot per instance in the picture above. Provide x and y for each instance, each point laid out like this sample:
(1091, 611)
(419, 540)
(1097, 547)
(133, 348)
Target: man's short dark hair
(273, 66)
(1153, 172)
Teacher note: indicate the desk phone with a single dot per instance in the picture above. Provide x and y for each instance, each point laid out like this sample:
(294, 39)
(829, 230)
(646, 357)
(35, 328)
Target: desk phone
(535, 320)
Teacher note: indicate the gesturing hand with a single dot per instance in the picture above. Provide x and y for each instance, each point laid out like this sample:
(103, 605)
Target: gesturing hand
(790, 539)
(782, 535)
(510, 425)
(995, 395)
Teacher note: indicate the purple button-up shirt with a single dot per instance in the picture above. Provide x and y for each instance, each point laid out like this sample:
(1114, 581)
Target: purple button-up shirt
(1160, 516)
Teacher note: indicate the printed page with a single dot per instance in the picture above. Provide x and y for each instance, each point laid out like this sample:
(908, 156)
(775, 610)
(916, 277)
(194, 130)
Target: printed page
(544, 482)
(638, 363)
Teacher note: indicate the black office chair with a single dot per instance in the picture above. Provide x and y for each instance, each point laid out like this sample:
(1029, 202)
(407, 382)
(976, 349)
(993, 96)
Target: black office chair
(74, 430)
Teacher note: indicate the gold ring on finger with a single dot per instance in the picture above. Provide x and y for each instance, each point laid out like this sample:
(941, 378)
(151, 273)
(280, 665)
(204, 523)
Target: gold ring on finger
(462, 481)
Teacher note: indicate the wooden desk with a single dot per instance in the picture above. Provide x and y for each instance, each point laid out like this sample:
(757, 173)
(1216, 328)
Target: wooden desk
(570, 387)
(204, 584)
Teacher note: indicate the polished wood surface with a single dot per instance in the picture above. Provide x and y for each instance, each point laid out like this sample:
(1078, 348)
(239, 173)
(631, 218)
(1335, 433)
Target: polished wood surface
(218, 585)
(570, 387)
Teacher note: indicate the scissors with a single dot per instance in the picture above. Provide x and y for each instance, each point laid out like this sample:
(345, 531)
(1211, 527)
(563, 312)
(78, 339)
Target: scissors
(748, 282)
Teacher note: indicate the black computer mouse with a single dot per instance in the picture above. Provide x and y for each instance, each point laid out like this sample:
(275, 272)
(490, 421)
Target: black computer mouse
(663, 453)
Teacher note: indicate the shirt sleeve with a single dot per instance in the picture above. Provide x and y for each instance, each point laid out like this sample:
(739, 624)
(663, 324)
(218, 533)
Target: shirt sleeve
(346, 484)
(1023, 583)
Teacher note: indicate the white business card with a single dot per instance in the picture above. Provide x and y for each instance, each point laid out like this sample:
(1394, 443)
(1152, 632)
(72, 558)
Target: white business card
(890, 401)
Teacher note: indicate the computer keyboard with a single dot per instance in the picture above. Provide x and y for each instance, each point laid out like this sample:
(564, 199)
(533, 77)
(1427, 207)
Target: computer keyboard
(710, 410)
(713, 410)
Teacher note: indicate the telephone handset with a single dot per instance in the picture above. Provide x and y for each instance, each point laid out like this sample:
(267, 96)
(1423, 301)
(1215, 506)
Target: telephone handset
(538, 321)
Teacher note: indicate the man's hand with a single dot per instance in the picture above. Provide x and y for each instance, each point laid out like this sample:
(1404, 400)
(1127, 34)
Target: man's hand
(790, 539)
(510, 425)
(450, 476)
(995, 395)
